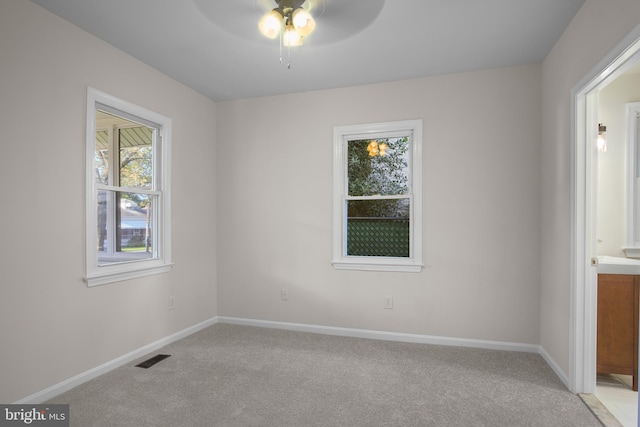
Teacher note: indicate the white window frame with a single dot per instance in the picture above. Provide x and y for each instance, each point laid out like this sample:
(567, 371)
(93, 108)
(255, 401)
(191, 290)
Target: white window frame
(632, 216)
(341, 136)
(161, 261)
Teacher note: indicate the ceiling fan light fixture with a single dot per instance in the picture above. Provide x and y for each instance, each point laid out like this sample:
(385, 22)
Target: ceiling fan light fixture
(270, 24)
(303, 22)
(289, 20)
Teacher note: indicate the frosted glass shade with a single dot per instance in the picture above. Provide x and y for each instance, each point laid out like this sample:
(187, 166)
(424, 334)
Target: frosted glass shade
(303, 22)
(291, 37)
(270, 24)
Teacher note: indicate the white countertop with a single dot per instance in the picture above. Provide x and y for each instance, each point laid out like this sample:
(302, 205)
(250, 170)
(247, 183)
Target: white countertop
(618, 265)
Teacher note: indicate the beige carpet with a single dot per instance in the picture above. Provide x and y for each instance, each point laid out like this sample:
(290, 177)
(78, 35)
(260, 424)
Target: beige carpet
(229, 375)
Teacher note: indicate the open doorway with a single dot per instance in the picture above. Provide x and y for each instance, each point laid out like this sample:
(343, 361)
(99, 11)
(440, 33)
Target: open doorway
(587, 118)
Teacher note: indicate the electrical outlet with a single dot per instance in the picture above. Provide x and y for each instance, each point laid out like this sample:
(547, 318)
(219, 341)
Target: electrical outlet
(388, 302)
(284, 294)
(172, 303)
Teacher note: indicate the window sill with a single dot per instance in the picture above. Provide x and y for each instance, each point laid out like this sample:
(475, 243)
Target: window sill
(632, 252)
(103, 278)
(380, 264)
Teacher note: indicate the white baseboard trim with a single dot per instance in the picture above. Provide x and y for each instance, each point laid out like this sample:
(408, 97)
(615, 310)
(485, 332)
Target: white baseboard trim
(382, 335)
(68, 384)
(554, 366)
(56, 389)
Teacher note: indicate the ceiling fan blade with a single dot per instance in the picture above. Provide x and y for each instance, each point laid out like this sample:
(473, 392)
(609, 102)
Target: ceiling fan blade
(337, 19)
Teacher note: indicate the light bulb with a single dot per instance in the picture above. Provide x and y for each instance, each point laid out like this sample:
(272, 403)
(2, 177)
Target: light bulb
(303, 22)
(602, 144)
(270, 24)
(291, 36)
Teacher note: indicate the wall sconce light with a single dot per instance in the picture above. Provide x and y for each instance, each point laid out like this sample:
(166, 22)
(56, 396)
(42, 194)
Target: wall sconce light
(602, 138)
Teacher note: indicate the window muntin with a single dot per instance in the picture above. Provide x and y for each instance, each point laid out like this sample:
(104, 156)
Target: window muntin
(128, 222)
(377, 201)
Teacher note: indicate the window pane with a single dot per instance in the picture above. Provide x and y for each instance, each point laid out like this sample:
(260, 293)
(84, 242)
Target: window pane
(125, 226)
(102, 157)
(378, 166)
(378, 228)
(136, 157)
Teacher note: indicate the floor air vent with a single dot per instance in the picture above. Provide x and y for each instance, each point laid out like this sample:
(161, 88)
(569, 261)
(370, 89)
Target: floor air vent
(150, 362)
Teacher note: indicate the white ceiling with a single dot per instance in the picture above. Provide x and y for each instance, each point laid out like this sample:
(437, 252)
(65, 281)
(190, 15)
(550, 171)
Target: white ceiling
(214, 46)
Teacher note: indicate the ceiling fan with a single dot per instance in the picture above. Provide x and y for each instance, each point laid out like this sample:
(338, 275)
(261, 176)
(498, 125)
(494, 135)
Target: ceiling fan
(335, 20)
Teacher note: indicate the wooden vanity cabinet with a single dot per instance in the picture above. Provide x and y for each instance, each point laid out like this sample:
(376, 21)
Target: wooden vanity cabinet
(617, 338)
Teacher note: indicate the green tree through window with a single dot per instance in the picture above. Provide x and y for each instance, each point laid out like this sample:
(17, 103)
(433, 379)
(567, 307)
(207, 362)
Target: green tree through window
(377, 190)
(378, 202)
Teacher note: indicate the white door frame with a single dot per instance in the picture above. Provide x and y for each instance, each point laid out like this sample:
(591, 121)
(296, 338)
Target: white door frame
(583, 276)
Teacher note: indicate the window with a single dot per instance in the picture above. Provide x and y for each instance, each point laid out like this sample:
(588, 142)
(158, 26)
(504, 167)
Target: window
(127, 211)
(632, 244)
(378, 196)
